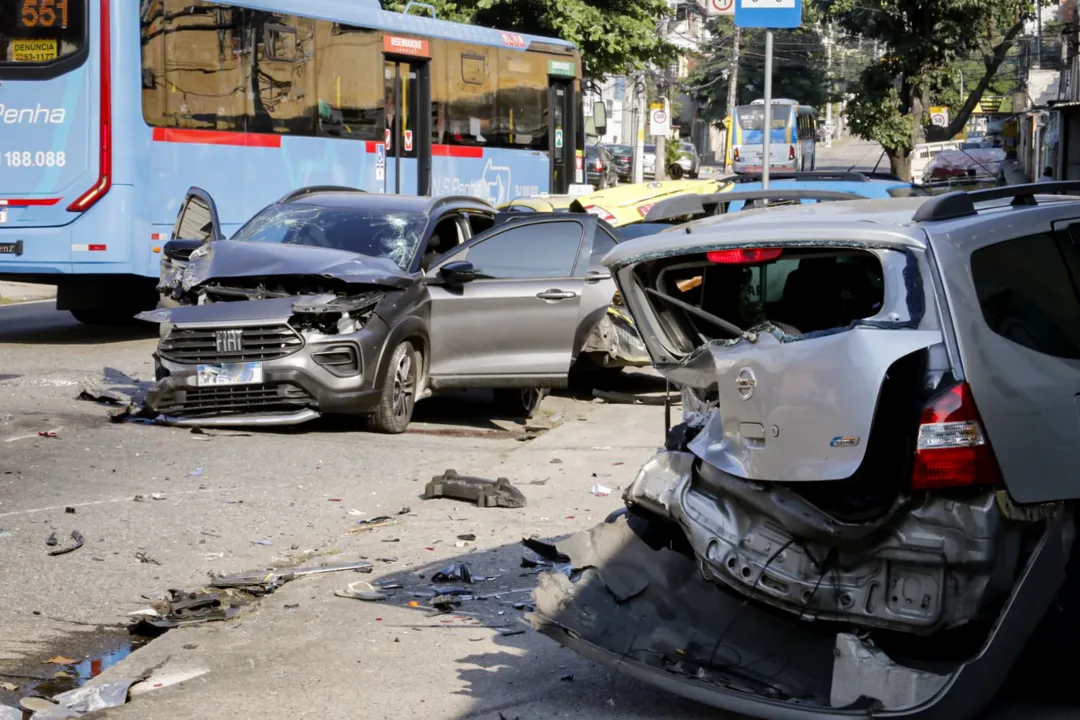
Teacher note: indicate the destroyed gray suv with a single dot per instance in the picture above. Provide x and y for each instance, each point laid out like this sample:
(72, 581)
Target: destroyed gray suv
(868, 509)
(333, 300)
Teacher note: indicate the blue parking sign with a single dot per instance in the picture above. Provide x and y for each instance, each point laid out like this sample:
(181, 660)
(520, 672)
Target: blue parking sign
(768, 13)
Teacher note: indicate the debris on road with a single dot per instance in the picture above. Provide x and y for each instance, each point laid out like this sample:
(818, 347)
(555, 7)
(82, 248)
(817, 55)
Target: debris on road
(263, 541)
(184, 609)
(624, 398)
(484, 493)
(197, 472)
(51, 541)
(458, 572)
(87, 699)
(78, 540)
(9, 713)
(600, 490)
(48, 434)
(267, 581)
(204, 434)
(145, 559)
(362, 590)
(69, 510)
(467, 537)
(145, 612)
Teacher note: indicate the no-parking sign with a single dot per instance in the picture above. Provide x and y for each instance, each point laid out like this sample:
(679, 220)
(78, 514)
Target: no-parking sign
(721, 7)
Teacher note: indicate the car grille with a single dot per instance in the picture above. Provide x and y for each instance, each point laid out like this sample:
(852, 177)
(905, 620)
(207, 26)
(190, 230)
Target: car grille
(255, 343)
(235, 400)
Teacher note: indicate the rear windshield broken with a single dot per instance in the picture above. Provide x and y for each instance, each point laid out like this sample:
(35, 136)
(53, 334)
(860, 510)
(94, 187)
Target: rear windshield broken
(801, 291)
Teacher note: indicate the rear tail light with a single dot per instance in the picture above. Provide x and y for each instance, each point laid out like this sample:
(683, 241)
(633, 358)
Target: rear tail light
(743, 256)
(599, 212)
(599, 166)
(791, 152)
(104, 181)
(952, 449)
(735, 153)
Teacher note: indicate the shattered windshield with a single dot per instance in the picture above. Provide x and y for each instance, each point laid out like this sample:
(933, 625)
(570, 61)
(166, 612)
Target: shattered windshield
(391, 235)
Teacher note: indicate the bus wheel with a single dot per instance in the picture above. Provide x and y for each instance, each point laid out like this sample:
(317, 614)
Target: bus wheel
(99, 316)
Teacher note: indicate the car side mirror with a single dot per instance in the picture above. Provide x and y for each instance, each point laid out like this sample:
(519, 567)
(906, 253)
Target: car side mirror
(457, 273)
(181, 249)
(600, 117)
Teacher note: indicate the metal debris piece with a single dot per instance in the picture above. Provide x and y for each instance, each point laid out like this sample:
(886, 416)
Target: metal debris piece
(271, 579)
(545, 550)
(94, 392)
(77, 537)
(145, 559)
(361, 590)
(485, 493)
(51, 541)
(458, 572)
(467, 537)
(624, 398)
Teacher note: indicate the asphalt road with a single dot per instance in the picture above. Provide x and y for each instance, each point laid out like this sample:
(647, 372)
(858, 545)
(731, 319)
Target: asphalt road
(851, 153)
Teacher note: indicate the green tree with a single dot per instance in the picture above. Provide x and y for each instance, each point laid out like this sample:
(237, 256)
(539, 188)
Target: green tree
(922, 40)
(799, 68)
(615, 36)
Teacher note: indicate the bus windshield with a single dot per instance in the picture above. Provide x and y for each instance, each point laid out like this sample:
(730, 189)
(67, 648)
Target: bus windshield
(40, 32)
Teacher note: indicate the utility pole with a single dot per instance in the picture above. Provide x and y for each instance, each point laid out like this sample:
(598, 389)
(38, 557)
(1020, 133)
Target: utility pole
(732, 89)
(1038, 33)
(829, 75)
(766, 136)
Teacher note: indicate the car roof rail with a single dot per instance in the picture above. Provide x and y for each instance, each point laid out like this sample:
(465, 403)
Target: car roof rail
(313, 189)
(700, 205)
(437, 202)
(958, 204)
(842, 176)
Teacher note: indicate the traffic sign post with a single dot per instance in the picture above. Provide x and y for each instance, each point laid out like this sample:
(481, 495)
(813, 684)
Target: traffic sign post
(721, 7)
(771, 15)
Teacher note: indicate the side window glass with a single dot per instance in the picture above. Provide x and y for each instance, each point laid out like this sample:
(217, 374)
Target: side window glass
(536, 250)
(1026, 294)
(349, 86)
(480, 223)
(282, 68)
(602, 244)
(195, 221)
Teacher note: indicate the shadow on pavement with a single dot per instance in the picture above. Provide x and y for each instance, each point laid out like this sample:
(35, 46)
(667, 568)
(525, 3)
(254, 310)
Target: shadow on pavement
(42, 324)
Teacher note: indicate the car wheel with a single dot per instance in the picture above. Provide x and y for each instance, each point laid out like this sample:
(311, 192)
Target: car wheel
(519, 402)
(398, 397)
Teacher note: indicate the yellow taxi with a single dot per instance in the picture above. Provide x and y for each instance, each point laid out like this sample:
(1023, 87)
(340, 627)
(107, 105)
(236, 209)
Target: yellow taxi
(627, 204)
(539, 203)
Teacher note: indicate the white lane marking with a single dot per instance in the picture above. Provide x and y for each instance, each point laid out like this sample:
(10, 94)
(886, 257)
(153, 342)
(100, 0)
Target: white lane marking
(126, 498)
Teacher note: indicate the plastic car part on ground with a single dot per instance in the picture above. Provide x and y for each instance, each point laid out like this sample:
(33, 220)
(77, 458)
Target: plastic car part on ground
(482, 492)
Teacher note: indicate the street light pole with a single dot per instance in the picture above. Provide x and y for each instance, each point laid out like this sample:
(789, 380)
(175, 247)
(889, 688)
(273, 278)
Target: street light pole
(766, 152)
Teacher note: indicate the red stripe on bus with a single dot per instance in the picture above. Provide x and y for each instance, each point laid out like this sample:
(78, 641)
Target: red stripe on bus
(28, 202)
(458, 151)
(216, 137)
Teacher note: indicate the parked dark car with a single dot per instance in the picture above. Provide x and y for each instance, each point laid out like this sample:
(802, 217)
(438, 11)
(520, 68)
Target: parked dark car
(359, 303)
(600, 167)
(623, 157)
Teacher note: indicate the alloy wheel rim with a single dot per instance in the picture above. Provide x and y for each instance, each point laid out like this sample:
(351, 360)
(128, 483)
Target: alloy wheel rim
(403, 386)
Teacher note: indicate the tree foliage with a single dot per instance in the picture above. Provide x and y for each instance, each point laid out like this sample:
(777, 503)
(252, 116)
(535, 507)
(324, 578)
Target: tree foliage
(799, 68)
(923, 40)
(615, 36)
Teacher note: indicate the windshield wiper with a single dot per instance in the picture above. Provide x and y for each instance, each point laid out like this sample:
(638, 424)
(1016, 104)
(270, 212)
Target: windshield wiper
(706, 316)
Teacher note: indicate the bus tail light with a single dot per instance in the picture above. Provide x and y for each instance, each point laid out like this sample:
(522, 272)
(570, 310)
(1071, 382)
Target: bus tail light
(791, 152)
(735, 153)
(104, 180)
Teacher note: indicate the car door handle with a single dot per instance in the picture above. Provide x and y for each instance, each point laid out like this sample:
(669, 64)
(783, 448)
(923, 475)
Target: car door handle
(556, 294)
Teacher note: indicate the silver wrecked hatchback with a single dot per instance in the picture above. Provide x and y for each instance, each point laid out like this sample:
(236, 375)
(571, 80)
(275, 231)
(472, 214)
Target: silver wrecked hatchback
(868, 509)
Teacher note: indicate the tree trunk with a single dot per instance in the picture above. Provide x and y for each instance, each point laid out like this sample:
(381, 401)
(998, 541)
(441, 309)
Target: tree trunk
(900, 163)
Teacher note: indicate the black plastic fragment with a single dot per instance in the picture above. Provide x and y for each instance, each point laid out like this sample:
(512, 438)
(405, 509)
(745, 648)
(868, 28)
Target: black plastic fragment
(485, 493)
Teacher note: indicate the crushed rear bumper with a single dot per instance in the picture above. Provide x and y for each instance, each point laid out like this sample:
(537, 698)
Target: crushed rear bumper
(649, 614)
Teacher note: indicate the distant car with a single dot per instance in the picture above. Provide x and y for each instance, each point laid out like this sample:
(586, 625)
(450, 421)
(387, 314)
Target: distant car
(689, 160)
(600, 171)
(340, 301)
(648, 162)
(539, 203)
(623, 156)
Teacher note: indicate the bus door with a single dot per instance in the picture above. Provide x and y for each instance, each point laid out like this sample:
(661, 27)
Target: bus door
(407, 73)
(562, 134)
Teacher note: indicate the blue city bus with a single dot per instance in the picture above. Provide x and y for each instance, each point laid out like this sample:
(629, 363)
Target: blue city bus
(792, 142)
(108, 116)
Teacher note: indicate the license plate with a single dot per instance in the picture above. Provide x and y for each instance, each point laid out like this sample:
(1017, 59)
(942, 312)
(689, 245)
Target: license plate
(245, 373)
(11, 248)
(34, 50)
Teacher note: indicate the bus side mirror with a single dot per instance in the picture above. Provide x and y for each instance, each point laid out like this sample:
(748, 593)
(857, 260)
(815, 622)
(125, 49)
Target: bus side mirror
(599, 114)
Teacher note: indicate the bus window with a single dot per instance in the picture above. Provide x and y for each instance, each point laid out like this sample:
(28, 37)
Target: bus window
(472, 80)
(348, 85)
(281, 73)
(523, 101)
(41, 32)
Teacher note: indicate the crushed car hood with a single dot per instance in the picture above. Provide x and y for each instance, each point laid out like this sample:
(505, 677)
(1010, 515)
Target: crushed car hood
(228, 259)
